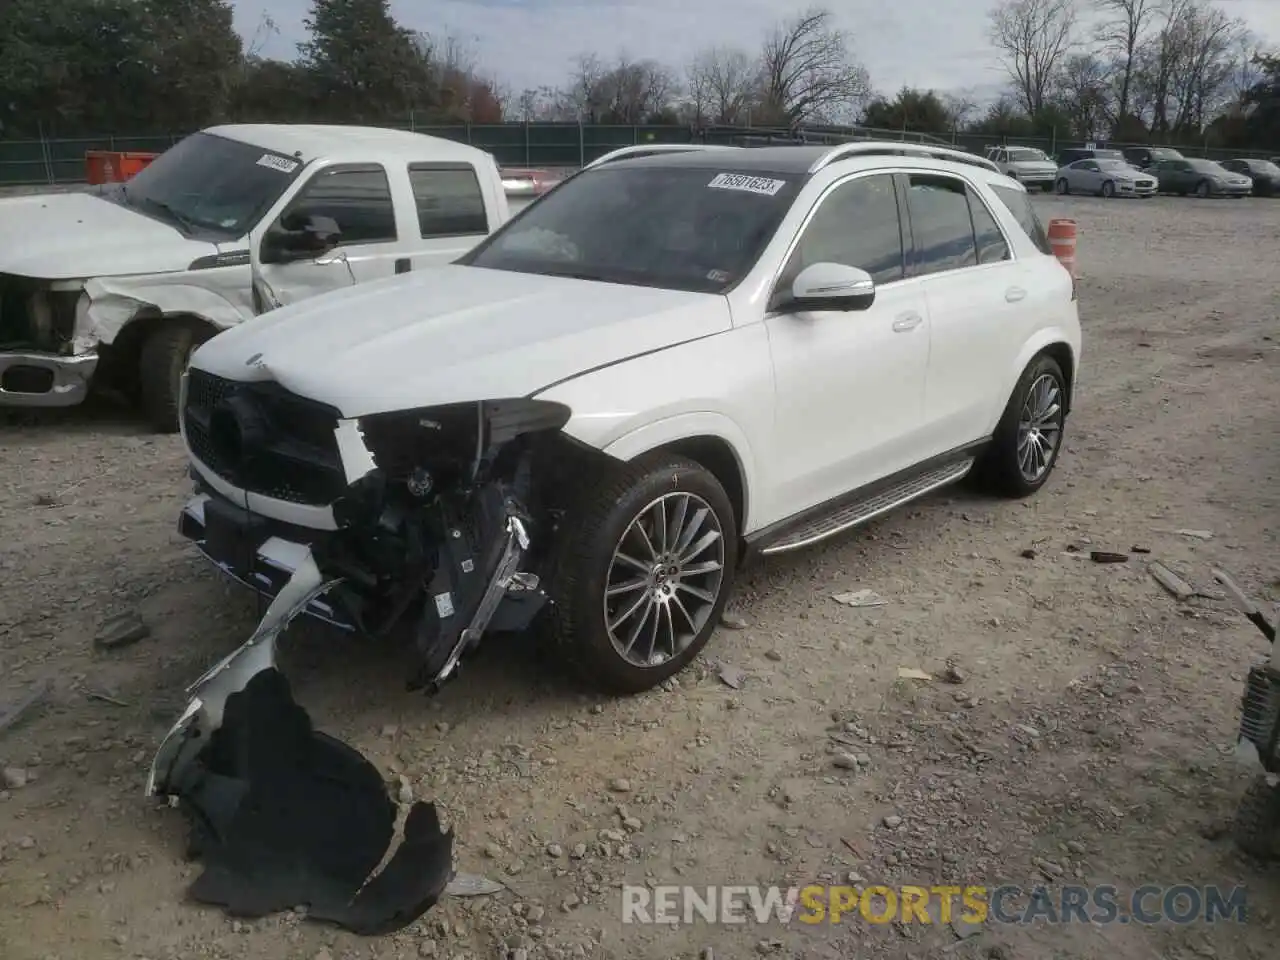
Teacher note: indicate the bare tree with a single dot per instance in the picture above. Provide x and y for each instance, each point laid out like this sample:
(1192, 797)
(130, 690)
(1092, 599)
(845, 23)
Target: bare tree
(1033, 36)
(627, 92)
(724, 83)
(1187, 73)
(960, 106)
(1082, 92)
(1126, 27)
(808, 71)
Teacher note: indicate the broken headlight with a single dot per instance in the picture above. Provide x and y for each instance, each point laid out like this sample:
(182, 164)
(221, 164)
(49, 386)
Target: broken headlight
(438, 448)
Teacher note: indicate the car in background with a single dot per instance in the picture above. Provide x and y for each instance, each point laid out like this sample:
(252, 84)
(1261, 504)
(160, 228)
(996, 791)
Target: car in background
(1146, 157)
(1072, 154)
(1030, 166)
(1106, 177)
(1204, 178)
(1265, 174)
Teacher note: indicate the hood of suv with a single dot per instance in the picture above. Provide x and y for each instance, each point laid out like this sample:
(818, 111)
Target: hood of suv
(1033, 166)
(453, 334)
(64, 236)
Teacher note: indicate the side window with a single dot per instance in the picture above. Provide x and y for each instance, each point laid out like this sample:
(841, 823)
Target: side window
(358, 199)
(941, 223)
(857, 225)
(992, 246)
(1091, 166)
(1019, 204)
(449, 200)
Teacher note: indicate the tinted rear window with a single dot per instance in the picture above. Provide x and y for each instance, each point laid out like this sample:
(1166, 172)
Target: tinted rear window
(1019, 204)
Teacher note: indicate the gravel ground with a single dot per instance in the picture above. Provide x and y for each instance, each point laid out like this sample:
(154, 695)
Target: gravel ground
(1089, 740)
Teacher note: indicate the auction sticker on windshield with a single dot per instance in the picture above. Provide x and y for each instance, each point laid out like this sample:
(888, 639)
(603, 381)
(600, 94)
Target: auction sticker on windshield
(738, 181)
(282, 164)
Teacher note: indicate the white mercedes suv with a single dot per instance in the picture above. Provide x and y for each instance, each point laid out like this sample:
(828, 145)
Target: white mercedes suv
(672, 360)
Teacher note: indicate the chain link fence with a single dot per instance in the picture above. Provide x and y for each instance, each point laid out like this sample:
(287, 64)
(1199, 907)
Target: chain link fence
(62, 161)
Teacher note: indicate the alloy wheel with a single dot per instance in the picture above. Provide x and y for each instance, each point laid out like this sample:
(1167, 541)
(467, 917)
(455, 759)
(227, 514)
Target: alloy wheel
(1039, 428)
(664, 579)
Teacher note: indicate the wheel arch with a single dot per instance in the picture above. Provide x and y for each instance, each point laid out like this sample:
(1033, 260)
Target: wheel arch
(1053, 343)
(709, 439)
(125, 350)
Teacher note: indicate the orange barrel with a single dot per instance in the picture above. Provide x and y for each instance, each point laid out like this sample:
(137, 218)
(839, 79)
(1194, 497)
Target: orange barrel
(1062, 238)
(133, 163)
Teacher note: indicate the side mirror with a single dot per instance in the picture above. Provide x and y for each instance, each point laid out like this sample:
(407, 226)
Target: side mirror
(831, 286)
(294, 239)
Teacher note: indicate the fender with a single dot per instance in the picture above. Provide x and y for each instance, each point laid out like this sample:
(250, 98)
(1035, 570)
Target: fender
(683, 426)
(1047, 337)
(221, 298)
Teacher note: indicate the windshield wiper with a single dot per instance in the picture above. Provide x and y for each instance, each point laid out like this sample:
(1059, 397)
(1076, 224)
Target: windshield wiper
(185, 222)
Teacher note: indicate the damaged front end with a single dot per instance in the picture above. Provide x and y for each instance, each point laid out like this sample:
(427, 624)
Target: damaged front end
(45, 360)
(420, 526)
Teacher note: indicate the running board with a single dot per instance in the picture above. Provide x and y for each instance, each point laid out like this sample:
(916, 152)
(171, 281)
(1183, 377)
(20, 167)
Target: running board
(879, 503)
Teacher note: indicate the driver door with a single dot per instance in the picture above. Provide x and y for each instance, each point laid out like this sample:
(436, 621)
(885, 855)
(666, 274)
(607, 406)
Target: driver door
(358, 199)
(849, 385)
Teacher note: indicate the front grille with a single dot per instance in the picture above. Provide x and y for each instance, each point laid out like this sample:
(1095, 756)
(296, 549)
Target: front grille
(1146, 183)
(264, 439)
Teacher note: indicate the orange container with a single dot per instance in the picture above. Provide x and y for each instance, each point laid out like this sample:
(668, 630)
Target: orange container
(1062, 238)
(105, 166)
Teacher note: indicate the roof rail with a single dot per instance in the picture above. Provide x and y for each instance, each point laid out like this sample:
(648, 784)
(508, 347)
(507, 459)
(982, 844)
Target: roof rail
(874, 148)
(650, 149)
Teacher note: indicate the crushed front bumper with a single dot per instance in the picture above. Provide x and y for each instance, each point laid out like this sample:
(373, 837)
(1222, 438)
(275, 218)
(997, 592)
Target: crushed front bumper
(36, 379)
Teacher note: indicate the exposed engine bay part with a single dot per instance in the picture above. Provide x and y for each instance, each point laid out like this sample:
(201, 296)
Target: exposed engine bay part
(266, 795)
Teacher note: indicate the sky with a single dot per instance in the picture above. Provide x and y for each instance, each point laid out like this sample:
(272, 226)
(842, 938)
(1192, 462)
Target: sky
(938, 44)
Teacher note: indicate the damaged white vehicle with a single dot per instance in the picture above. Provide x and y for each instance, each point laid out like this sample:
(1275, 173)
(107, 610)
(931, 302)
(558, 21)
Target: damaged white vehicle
(117, 286)
(663, 365)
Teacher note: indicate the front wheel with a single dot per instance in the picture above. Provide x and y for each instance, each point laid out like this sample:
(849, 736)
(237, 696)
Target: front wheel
(1202, 190)
(161, 364)
(1026, 443)
(643, 572)
(1061, 188)
(1108, 189)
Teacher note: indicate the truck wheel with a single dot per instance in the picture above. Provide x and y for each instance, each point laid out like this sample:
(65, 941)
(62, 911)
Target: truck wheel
(642, 573)
(162, 361)
(1257, 824)
(1025, 447)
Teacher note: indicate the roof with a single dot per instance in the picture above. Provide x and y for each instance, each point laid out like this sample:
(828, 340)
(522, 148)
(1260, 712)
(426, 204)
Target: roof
(346, 143)
(800, 160)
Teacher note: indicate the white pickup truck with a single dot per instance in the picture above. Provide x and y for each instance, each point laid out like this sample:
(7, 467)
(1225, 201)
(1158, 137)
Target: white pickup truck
(1030, 166)
(120, 284)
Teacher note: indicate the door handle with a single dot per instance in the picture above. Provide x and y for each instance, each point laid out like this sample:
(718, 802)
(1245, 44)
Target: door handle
(1014, 294)
(907, 321)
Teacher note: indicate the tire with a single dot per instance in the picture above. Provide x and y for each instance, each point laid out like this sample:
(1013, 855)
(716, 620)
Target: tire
(161, 363)
(1202, 189)
(1108, 189)
(1257, 824)
(584, 567)
(1062, 188)
(1000, 471)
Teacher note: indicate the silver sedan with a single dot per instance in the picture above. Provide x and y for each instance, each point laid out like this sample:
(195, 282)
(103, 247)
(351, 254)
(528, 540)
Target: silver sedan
(1107, 178)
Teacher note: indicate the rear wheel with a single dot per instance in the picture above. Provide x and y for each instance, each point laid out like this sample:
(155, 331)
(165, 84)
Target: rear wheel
(1026, 443)
(1061, 187)
(162, 362)
(643, 572)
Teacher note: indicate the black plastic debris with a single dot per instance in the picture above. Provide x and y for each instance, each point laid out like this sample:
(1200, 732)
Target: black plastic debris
(283, 815)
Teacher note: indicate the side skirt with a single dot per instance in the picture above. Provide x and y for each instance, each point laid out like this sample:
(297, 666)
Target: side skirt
(858, 506)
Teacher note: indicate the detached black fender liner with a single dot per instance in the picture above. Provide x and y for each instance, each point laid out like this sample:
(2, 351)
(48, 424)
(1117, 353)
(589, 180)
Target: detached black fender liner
(284, 815)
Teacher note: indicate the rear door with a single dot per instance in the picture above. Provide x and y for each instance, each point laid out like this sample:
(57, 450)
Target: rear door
(975, 291)
(450, 212)
(359, 198)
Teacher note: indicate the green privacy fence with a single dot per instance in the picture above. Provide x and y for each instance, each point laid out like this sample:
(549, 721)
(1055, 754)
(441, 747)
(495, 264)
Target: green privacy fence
(35, 162)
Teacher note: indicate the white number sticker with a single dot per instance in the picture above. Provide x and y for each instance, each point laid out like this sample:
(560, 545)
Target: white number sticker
(738, 181)
(272, 162)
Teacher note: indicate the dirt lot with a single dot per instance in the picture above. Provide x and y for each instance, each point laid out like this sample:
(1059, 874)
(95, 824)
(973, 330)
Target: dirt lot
(1089, 741)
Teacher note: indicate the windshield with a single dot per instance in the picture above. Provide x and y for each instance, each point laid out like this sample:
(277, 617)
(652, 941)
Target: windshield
(1264, 166)
(1206, 166)
(1158, 153)
(680, 228)
(209, 183)
(1026, 154)
(1108, 155)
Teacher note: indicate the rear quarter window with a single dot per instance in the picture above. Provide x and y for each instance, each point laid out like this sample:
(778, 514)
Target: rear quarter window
(1018, 203)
